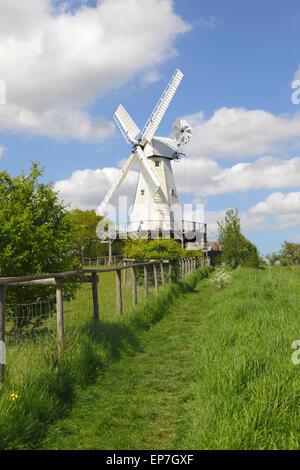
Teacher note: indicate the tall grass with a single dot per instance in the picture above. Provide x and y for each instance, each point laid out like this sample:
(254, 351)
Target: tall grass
(246, 392)
(47, 387)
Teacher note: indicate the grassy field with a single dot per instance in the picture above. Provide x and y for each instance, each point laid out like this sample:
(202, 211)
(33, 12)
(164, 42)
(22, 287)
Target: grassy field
(197, 367)
(214, 373)
(46, 387)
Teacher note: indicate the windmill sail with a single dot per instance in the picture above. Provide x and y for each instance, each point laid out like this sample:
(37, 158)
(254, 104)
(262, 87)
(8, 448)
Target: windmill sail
(161, 107)
(156, 189)
(114, 188)
(126, 124)
(150, 177)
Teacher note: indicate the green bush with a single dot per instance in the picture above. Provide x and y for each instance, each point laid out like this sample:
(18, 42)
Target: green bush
(143, 249)
(159, 248)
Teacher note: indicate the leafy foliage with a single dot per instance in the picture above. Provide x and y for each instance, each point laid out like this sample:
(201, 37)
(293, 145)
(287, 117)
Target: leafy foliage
(36, 235)
(236, 249)
(87, 241)
(287, 256)
(152, 249)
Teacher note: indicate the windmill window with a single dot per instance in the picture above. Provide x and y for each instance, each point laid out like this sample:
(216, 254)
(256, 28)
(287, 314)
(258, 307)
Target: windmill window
(173, 192)
(156, 163)
(142, 192)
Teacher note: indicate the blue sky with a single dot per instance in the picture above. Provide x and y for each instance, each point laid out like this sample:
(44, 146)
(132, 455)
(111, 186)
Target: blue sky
(68, 65)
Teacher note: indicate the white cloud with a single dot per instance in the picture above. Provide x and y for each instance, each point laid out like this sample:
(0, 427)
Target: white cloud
(61, 124)
(278, 203)
(240, 133)
(205, 177)
(285, 208)
(207, 23)
(55, 62)
(249, 222)
(151, 76)
(85, 189)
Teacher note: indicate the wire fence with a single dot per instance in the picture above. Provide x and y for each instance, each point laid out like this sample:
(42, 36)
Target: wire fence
(33, 329)
(33, 321)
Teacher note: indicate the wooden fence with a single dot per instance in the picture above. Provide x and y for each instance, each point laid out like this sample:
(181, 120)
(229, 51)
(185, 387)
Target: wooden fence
(186, 266)
(101, 261)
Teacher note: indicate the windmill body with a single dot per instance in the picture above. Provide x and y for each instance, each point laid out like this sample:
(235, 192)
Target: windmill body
(161, 210)
(156, 203)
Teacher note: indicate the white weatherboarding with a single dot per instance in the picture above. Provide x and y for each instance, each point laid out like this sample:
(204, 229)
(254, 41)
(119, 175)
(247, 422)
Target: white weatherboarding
(156, 191)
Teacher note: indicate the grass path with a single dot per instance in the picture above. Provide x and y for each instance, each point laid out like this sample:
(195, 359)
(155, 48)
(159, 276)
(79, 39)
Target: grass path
(215, 372)
(139, 402)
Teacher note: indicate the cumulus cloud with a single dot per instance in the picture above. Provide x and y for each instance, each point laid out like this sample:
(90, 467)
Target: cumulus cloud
(57, 61)
(284, 208)
(151, 76)
(278, 203)
(239, 133)
(205, 177)
(85, 189)
(249, 222)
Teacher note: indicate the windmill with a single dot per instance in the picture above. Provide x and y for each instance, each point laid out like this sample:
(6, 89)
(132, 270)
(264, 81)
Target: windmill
(156, 195)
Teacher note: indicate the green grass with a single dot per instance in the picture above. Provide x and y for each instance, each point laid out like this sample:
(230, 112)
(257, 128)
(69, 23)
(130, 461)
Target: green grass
(214, 373)
(195, 367)
(47, 387)
(246, 392)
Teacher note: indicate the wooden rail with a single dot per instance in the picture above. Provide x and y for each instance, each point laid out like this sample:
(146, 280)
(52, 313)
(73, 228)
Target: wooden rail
(186, 266)
(101, 260)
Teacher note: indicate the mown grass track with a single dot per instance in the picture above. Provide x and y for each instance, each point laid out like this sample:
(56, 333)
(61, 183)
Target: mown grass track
(214, 373)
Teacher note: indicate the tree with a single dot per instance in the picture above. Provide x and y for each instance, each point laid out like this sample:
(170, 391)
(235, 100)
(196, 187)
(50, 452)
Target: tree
(273, 258)
(36, 235)
(290, 253)
(85, 223)
(287, 256)
(87, 241)
(236, 249)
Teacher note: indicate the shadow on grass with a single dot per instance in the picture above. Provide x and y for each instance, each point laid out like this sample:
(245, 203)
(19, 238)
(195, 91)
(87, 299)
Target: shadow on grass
(48, 392)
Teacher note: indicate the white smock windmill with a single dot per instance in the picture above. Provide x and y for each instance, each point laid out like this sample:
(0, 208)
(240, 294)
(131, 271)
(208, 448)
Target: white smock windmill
(156, 191)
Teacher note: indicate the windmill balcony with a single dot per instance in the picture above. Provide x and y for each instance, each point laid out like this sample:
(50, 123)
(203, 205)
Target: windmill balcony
(183, 230)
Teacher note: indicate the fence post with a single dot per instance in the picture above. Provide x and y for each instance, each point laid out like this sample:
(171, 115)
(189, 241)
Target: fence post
(155, 277)
(125, 273)
(2, 332)
(134, 291)
(146, 280)
(59, 314)
(95, 296)
(119, 291)
(162, 271)
(170, 271)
